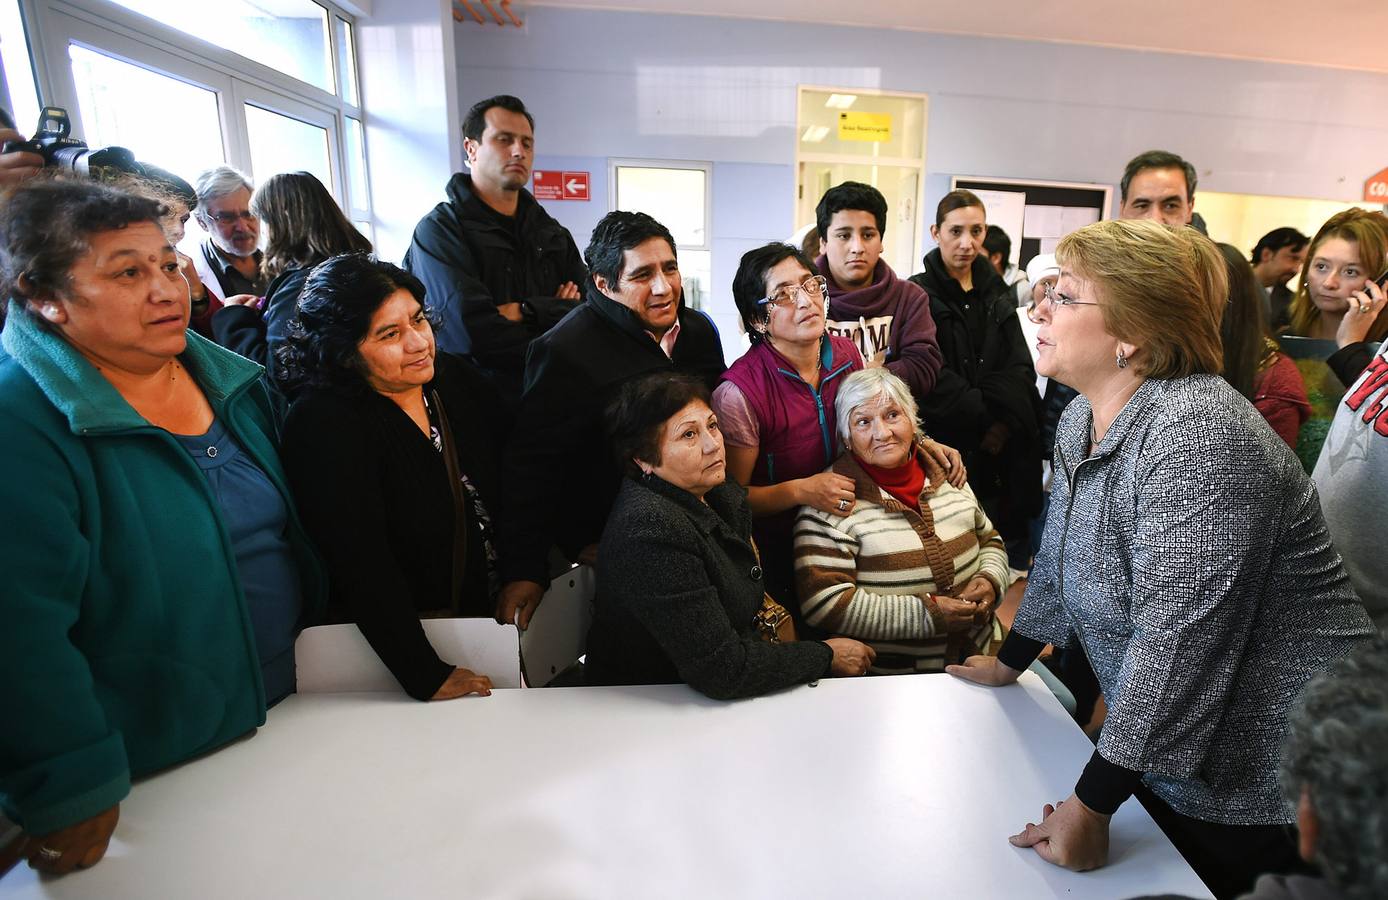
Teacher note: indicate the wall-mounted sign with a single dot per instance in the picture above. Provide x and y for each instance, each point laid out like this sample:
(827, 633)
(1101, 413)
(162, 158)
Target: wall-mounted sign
(865, 126)
(1376, 188)
(551, 184)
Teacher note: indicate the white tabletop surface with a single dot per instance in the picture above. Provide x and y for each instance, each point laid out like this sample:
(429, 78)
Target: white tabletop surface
(889, 787)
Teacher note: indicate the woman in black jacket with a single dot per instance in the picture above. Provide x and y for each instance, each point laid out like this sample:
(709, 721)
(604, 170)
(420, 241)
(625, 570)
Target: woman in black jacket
(303, 227)
(985, 402)
(392, 452)
(679, 585)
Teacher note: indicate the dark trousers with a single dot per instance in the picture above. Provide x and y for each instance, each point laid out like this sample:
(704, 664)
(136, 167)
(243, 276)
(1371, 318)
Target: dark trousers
(1228, 858)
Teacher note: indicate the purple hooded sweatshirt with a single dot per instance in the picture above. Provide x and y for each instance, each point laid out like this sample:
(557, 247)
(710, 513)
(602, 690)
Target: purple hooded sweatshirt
(888, 320)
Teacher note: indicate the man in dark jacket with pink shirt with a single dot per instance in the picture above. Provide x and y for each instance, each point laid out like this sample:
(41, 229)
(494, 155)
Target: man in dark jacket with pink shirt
(887, 317)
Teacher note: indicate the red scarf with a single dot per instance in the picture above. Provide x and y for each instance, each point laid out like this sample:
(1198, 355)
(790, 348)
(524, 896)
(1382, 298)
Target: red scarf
(905, 483)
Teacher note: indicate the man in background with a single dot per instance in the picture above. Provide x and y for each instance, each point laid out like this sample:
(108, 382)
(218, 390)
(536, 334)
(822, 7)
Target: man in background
(498, 270)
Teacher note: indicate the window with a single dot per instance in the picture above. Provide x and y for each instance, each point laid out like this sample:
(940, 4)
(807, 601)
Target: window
(19, 70)
(267, 86)
(675, 194)
(293, 38)
(113, 108)
(283, 144)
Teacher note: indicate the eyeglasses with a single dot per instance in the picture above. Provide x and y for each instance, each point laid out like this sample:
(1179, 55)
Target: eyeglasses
(813, 288)
(230, 218)
(1054, 298)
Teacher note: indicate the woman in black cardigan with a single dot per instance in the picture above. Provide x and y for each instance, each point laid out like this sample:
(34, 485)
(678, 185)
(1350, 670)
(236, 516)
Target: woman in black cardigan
(392, 452)
(679, 584)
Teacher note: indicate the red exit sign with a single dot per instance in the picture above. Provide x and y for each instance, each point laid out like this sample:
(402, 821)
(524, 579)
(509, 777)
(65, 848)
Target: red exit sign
(554, 185)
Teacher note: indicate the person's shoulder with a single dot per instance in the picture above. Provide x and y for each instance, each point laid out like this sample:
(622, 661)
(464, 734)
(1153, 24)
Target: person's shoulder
(21, 398)
(1204, 416)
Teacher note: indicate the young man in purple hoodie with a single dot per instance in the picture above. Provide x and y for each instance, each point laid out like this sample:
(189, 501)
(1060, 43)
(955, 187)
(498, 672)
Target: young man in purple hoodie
(887, 317)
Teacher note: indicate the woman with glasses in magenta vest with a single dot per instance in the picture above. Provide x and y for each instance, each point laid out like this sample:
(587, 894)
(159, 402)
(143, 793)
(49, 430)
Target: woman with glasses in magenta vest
(775, 405)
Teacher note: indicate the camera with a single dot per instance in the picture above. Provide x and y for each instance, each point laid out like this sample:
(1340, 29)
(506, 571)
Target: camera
(52, 141)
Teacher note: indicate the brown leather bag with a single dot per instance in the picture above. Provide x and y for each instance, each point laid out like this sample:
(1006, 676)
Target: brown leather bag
(774, 624)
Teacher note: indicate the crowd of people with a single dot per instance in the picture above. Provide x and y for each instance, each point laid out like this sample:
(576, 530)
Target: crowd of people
(209, 453)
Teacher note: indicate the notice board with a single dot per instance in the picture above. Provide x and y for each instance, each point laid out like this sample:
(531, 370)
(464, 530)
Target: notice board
(1037, 214)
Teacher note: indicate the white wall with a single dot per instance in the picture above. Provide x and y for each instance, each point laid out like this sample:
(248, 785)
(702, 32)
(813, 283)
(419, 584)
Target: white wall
(413, 125)
(610, 84)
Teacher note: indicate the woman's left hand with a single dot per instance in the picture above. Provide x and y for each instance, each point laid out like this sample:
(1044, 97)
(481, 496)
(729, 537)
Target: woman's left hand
(1070, 835)
(1364, 307)
(949, 459)
(981, 591)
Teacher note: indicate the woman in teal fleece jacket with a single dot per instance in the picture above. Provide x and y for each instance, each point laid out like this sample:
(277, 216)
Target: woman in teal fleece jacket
(133, 616)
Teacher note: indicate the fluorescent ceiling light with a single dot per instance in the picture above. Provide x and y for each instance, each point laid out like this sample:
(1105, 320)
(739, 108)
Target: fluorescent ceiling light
(814, 134)
(840, 101)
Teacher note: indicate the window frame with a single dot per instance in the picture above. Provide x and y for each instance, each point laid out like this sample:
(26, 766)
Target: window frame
(615, 164)
(107, 28)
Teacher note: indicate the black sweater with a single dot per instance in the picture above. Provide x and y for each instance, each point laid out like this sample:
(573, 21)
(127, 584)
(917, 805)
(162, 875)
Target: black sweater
(678, 587)
(374, 496)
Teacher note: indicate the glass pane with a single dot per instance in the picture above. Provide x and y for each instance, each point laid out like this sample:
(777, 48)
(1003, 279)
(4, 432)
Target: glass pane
(861, 124)
(290, 36)
(347, 62)
(114, 108)
(673, 197)
(282, 144)
(356, 165)
(19, 74)
(899, 184)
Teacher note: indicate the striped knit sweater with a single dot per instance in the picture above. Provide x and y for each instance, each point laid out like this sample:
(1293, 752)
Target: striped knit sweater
(868, 575)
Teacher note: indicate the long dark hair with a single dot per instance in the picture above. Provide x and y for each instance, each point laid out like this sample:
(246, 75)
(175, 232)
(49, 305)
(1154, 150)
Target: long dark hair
(335, 309)
(1244, 328)
(303, 224)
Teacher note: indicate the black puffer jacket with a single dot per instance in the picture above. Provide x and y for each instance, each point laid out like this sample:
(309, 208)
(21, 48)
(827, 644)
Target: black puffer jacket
(472, 259)
(678, 587)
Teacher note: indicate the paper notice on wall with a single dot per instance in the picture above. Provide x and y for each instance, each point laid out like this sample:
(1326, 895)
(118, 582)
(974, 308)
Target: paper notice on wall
(1042, 222)
(1073, 218)
(865, 126)
(1006, 210)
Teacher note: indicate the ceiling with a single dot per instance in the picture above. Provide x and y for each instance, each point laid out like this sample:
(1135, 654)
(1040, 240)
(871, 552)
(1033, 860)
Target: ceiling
(1346, 34)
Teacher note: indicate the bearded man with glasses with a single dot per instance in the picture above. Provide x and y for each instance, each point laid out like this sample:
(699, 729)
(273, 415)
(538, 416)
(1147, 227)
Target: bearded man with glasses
(228, 262)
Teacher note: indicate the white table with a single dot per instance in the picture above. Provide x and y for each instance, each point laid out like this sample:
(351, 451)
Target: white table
(887, 787)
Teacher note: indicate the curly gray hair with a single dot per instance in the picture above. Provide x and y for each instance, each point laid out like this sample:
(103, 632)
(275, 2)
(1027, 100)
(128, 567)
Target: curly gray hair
(1337, 751)
(867, 385)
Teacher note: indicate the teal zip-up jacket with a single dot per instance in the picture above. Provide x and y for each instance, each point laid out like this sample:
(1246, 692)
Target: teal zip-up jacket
(125, 642)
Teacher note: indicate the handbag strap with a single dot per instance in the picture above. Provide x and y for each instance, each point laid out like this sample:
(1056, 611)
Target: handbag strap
(460, 514)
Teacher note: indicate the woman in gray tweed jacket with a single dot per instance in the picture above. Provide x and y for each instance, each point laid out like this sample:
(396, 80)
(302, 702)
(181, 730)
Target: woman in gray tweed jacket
(1185, 547)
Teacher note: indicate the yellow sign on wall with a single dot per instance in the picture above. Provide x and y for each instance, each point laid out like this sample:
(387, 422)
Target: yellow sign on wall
(865, 126)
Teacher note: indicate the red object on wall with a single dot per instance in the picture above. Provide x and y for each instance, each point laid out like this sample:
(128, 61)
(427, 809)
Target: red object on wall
(1376, 188)
(551, 184)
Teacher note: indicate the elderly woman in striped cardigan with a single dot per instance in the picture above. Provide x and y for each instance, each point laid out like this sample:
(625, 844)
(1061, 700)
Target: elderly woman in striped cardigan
(913, 567)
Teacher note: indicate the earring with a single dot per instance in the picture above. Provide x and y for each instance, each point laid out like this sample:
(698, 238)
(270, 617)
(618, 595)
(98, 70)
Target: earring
(1121, 361)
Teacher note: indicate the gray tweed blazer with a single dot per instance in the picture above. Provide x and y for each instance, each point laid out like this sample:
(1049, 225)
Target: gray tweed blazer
(1189, 555)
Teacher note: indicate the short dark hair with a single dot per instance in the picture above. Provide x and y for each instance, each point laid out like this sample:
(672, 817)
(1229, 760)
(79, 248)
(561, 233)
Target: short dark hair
(1336, 730)
(334, 312)
(749, 284)
(615, 234)
(1275, 240)
(851, 195)
(642, 407)
(475, 122)
(1156, 159)
(958, 199)
(997, 241)
(46, 225)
